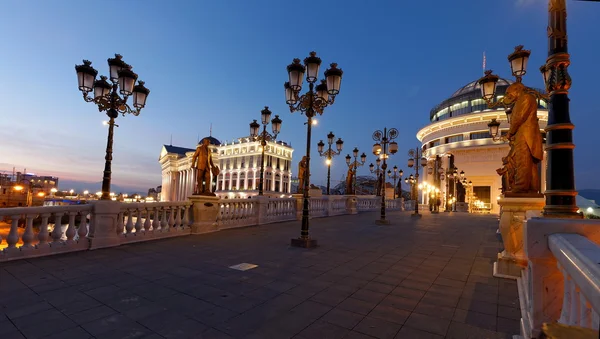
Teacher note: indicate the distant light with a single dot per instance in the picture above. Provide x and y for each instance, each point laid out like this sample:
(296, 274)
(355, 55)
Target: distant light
(590, 210)
(105, 123)
(314, 121)
(86, 192)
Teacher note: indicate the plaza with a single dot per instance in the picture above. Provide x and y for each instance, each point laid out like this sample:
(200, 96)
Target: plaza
(415, 278)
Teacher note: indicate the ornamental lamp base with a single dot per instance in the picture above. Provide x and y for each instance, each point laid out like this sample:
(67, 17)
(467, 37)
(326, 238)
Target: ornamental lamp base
(304, 242)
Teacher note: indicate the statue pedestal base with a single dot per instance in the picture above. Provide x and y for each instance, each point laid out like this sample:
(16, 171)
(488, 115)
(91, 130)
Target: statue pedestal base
(351, 204)
(304, 243)
(205, 209)
(515, 209)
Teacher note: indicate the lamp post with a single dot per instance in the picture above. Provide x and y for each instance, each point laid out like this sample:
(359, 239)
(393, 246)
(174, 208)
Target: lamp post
(263, 137)
(106, 97)
(312, 102)
(354, 165)
(384, 147)
(396, 175)
(560, 186)
(330, 153)
(418, 155)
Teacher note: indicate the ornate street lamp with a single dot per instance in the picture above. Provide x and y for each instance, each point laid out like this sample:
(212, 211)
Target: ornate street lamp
(330, 153)
(560, 185)
(263, 137)
(354, 165)
(395, 176)
(377, 171)
(383, 147)
(312, 102)
(106, 96)
(416, 154)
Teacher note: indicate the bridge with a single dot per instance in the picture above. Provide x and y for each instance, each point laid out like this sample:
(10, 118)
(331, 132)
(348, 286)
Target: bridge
(141, 270)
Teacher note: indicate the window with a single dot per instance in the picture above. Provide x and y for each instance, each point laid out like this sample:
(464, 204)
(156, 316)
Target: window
(243, 162)
(478, 105)
(434, 143)
(235, 163)
(480, 135)
(454, 138)
(242, 184)
(278, 163)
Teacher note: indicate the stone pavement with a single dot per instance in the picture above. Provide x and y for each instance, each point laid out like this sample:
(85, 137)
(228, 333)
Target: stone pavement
(417, 278)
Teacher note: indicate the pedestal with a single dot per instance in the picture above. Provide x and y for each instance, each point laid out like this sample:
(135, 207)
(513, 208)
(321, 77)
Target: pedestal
(205, 210)
(105, 216)
(515, 210)
(299, 204)
(304, 243)
(351, 204)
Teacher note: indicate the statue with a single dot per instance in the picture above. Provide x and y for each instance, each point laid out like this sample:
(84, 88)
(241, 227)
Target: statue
(350, 181)
(301, 174)
(526, 150)
(507, 171)
(202, 162)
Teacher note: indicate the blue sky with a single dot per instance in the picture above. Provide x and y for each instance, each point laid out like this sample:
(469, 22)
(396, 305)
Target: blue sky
(220, 62)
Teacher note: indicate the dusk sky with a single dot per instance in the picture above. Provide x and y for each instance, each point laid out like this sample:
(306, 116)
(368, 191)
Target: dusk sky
(221, 62)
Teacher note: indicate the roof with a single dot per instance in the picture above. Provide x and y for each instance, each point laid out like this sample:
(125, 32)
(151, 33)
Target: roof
(474, 86)
(213, 141)
(177, 149)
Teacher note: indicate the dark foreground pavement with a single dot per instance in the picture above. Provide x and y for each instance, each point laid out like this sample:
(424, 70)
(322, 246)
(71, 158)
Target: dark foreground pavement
(417, 278)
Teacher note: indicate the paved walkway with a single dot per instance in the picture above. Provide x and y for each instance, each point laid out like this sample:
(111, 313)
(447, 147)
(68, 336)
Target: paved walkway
(417, 278)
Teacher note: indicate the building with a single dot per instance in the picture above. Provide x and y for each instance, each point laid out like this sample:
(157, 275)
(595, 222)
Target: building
(458, 136)
(17, 188)
(239, 164)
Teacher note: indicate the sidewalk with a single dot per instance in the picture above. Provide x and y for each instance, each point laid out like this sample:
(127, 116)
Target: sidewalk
(417, 278)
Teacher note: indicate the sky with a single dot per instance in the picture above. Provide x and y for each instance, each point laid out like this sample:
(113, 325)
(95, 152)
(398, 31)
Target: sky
(221, 62)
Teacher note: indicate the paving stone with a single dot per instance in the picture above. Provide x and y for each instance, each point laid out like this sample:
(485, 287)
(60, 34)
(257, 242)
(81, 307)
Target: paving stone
(437, 311)
(427, 323)
(72, 333)
(43, 323)
(377, 328)
(342, 318)
(408, 293)
(365, 294)
(510, 326)
(323, 329)
(357, 306)
(509, 312)
(413, 333)
(476, 319)
(389, 313)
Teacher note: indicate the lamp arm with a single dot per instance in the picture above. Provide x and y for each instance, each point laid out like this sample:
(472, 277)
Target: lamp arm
(495, 104)
(537, 94)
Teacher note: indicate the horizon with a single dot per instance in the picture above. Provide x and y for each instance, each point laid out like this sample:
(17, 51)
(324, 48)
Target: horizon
(211, 68)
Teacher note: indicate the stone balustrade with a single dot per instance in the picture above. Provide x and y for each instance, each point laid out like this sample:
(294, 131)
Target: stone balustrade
(561, 280)
(47, 230)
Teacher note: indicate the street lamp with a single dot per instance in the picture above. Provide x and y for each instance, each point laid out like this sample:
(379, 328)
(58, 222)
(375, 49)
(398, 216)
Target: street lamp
(383, 147)
(454, 178)
(106, 96)
(560, 185)
(416, 154)
(396, 175)
(312, 102)
(354, 165)
(330, 153)
(263, 137)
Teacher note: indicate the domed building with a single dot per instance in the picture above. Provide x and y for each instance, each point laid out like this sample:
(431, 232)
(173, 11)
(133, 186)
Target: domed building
(239, 164)
(458, 137)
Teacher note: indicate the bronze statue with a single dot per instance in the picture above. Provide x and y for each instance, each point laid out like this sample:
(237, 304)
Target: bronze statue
(302, 174)
(215, 174)
(507, 171)
(203, 163)
(350, 181)
(526, 150)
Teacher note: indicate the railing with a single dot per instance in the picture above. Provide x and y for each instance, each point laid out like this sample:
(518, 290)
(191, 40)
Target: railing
(237, 213)
(368, 203)
(44, 230)
(318, 206)
(578, 260)
(280, 209)
(393, 204)
(338, 205)
(147, 221)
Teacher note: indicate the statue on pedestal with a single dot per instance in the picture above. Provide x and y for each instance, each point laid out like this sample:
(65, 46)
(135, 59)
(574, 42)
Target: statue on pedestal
(350, 181)
(301, 174)
(215, 174)
(526, 140)
(507, 171)
(203, 163)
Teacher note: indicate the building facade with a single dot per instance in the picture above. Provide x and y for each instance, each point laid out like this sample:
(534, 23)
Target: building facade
(19, 188)
(458, 137)
(239, 164)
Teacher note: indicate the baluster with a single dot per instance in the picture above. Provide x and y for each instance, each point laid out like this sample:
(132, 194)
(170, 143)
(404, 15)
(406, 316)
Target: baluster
(171, 219)
(138, 221)
(43, 234)
(70, 232)
(57, 230)
(28, 234)
(178, 218)
(13, 235)
(186, 215)
(148, 220)
(155, 219)
(575, 305)
(164, 224)
(585, 312)
(120, 225)
(82, 230)
(129, 224)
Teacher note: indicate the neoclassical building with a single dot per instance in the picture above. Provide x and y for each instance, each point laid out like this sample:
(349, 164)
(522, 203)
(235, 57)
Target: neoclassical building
(458, 136)
(239, 164)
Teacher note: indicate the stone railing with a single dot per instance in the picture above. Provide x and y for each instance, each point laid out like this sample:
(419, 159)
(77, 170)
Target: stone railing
(561, 280)
(41, 231)
(147, 221)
